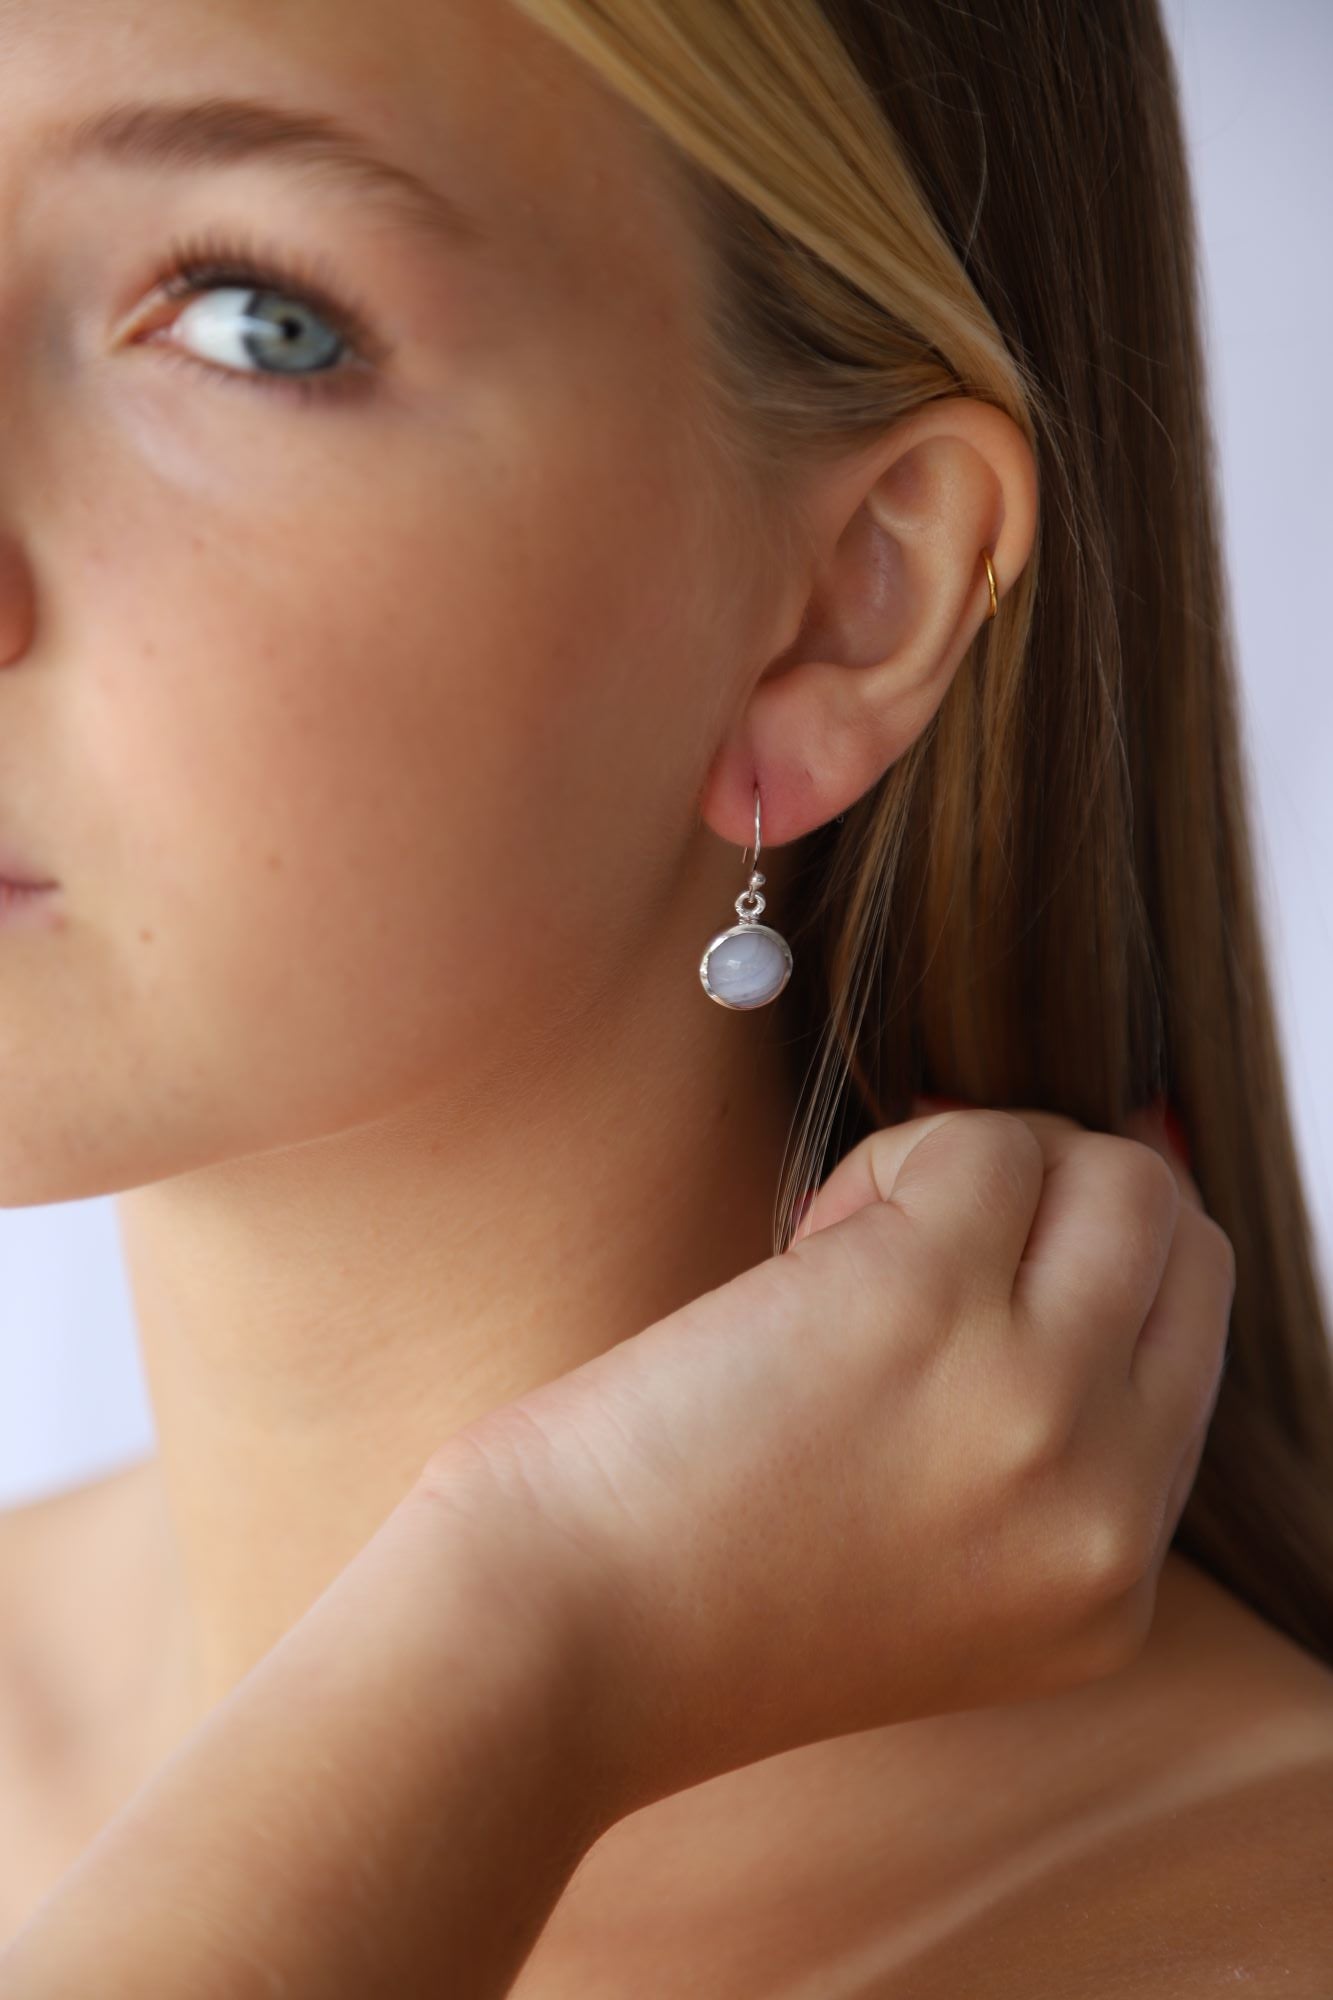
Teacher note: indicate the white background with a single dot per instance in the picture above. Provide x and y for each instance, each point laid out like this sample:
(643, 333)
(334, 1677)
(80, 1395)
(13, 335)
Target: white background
(1257, 83)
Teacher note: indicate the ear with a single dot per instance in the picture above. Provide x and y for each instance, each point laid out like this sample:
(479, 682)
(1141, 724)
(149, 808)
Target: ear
(891, 591)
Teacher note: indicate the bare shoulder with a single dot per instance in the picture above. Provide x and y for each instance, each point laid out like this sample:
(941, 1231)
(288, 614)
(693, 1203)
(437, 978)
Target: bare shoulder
(77, 1582)
(33, 1531)
(1235, 1890)
(1215, 1871)
(67, 1561)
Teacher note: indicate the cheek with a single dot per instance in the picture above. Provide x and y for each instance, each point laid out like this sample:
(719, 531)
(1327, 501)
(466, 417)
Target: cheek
(358, 816)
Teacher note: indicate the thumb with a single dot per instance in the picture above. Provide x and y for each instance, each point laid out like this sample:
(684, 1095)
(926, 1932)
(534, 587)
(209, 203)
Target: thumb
(862, 1176)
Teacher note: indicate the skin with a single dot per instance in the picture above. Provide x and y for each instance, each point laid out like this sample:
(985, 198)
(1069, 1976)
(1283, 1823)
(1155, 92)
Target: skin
(400, 1790)
(315, 777)
(395, 757)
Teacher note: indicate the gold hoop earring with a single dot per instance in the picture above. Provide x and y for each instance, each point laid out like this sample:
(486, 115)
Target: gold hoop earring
(990, 578)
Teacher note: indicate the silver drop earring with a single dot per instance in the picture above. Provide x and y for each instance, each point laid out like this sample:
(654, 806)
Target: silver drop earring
(749, 964)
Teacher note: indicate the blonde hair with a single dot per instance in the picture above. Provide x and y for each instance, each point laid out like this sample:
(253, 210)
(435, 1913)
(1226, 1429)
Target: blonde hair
(1049, 900)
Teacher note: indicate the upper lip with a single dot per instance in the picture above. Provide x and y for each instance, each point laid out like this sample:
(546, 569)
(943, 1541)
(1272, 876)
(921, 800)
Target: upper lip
(15, 871)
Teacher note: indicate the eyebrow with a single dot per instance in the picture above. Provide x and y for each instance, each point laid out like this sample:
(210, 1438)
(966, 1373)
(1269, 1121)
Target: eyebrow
(222, 131)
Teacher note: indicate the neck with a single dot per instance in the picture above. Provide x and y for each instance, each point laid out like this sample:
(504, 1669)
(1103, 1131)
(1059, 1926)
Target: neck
(315, 1321)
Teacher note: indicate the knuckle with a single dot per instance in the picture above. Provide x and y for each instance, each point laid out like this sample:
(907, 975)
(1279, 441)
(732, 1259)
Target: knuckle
(1035, 1445)
(1111, 1553)
(1034, 1429)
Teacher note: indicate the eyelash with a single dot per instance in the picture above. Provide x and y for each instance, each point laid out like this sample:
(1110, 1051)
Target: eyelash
(199, 263)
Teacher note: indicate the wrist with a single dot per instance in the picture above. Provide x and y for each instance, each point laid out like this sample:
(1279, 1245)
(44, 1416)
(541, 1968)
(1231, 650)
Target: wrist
(562, 1646)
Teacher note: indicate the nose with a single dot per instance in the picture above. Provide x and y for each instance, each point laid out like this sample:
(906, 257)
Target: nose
(17, 602)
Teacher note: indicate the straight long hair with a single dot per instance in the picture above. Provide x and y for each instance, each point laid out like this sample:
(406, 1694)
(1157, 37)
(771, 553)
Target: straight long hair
(1049, 900)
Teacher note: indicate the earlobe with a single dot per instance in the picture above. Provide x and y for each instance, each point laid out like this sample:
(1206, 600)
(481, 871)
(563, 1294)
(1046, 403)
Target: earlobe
(913, 540)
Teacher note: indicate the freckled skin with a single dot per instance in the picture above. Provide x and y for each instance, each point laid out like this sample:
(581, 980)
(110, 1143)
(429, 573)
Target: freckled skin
(443, 653)
(370, 742)
(374, 745)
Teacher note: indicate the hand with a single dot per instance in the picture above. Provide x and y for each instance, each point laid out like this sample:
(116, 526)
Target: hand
(929, 1458)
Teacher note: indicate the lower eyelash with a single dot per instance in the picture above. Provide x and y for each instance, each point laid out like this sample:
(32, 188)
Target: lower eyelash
(325, 384)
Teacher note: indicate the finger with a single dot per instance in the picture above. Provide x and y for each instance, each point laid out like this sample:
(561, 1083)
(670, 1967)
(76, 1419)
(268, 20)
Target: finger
(867, 1172)
(1177, 1368)
(1182, 1483)
(1098, 1249)
(1176, 1365)
(950, 1175)
(1183, 1342)
(864, 1175)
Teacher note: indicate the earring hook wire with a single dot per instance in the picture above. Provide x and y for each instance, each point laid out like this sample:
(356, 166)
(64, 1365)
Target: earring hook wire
(757, 843)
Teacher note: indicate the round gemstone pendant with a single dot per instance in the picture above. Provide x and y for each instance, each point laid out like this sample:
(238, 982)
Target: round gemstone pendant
(746, 966)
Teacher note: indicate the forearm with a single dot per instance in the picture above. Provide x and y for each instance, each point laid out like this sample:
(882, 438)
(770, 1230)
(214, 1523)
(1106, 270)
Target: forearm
(392, 1801)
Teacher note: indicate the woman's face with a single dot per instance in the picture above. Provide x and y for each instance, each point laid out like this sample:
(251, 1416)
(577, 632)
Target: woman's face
(356, 697)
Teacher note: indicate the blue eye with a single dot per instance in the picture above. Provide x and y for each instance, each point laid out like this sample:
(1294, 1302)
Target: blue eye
(257, 323)
(240, 326)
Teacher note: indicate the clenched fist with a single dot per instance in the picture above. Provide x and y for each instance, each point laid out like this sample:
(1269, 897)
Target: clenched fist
(931, 1457)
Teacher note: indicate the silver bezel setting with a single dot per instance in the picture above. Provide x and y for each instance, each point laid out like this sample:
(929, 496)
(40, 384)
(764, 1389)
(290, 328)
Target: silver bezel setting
(739, 930)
